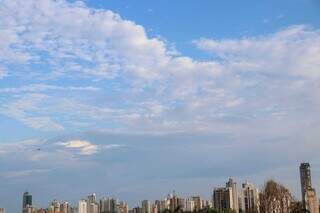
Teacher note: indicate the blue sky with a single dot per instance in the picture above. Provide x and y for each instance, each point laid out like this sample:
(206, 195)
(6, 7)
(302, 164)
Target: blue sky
(143, 97)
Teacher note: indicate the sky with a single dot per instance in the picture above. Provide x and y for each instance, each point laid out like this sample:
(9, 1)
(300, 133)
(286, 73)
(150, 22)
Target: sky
(134, 99)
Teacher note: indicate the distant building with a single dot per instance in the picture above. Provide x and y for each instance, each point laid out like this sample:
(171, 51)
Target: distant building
(312, 202)
(2, 210)
(28, 209)
(74, 209)
(161, 205)
(173, 202)
(92, 198)
(233, 185)
(154, 208)
(197, 202)
(108, 205)
(55, 206)
(122, 207)
(222, 198)
(136, 210)
(65, 207)
(181, 203)
(309, 197)
(93, 207)
(27, 200)
(206, 204)
(249, 198)
(190, 206)
(146, 206)
(41, 211)
(82, 206)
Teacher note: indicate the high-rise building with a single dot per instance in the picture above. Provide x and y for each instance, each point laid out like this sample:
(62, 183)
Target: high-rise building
(146, 206)
(309, 198)
(122, 207)
(136, 210)
(189, 205)
(27, 200)
(82, 206)
(222, 198)
(92, 198)
(197, 203)
(305, 178)
(172, 202)
(55, 206)
(104, 205)
(249, 198)
(161, 205)
(93, 208)
(181, 203)
(233, 185)
(154, 208)
(108, 205)
(2, 210)
(92, 205)
(65, 207)
(312, 202)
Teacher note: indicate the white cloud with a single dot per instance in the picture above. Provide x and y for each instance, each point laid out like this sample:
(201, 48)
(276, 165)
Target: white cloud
(25, 110)
(293, 51)
(35, 88)
(137, 84)
(99, 42)
(78, 41)
(85, 147)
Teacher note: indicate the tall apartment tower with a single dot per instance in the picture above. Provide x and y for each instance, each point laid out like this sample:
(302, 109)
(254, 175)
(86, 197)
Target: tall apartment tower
(309, 198)
(82, 206)
(92, 198)
(249, 198)
(2, 210)
(146, 206)
(222, 198)
(235, 200)
(27, 200)
(197, 203)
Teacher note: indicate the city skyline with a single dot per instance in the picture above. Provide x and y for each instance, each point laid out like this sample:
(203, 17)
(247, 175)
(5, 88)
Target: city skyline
(245, 199)
(137, 98)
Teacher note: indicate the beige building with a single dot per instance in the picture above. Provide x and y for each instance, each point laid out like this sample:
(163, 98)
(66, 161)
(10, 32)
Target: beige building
(122, 207)
(309, 196)
(189, 205)
(82, 206)
(197, 202)
(233, 185)
(312, 203)
(226, 197)
(249, 198)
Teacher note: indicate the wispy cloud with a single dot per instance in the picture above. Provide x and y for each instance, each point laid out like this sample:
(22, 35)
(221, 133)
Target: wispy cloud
(36, 88)
(292, 51)
(24, 173)
(26, 110)
(85, 147)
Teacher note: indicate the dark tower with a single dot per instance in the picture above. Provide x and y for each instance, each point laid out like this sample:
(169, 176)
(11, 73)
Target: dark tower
(27, 200)
(305, 178)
